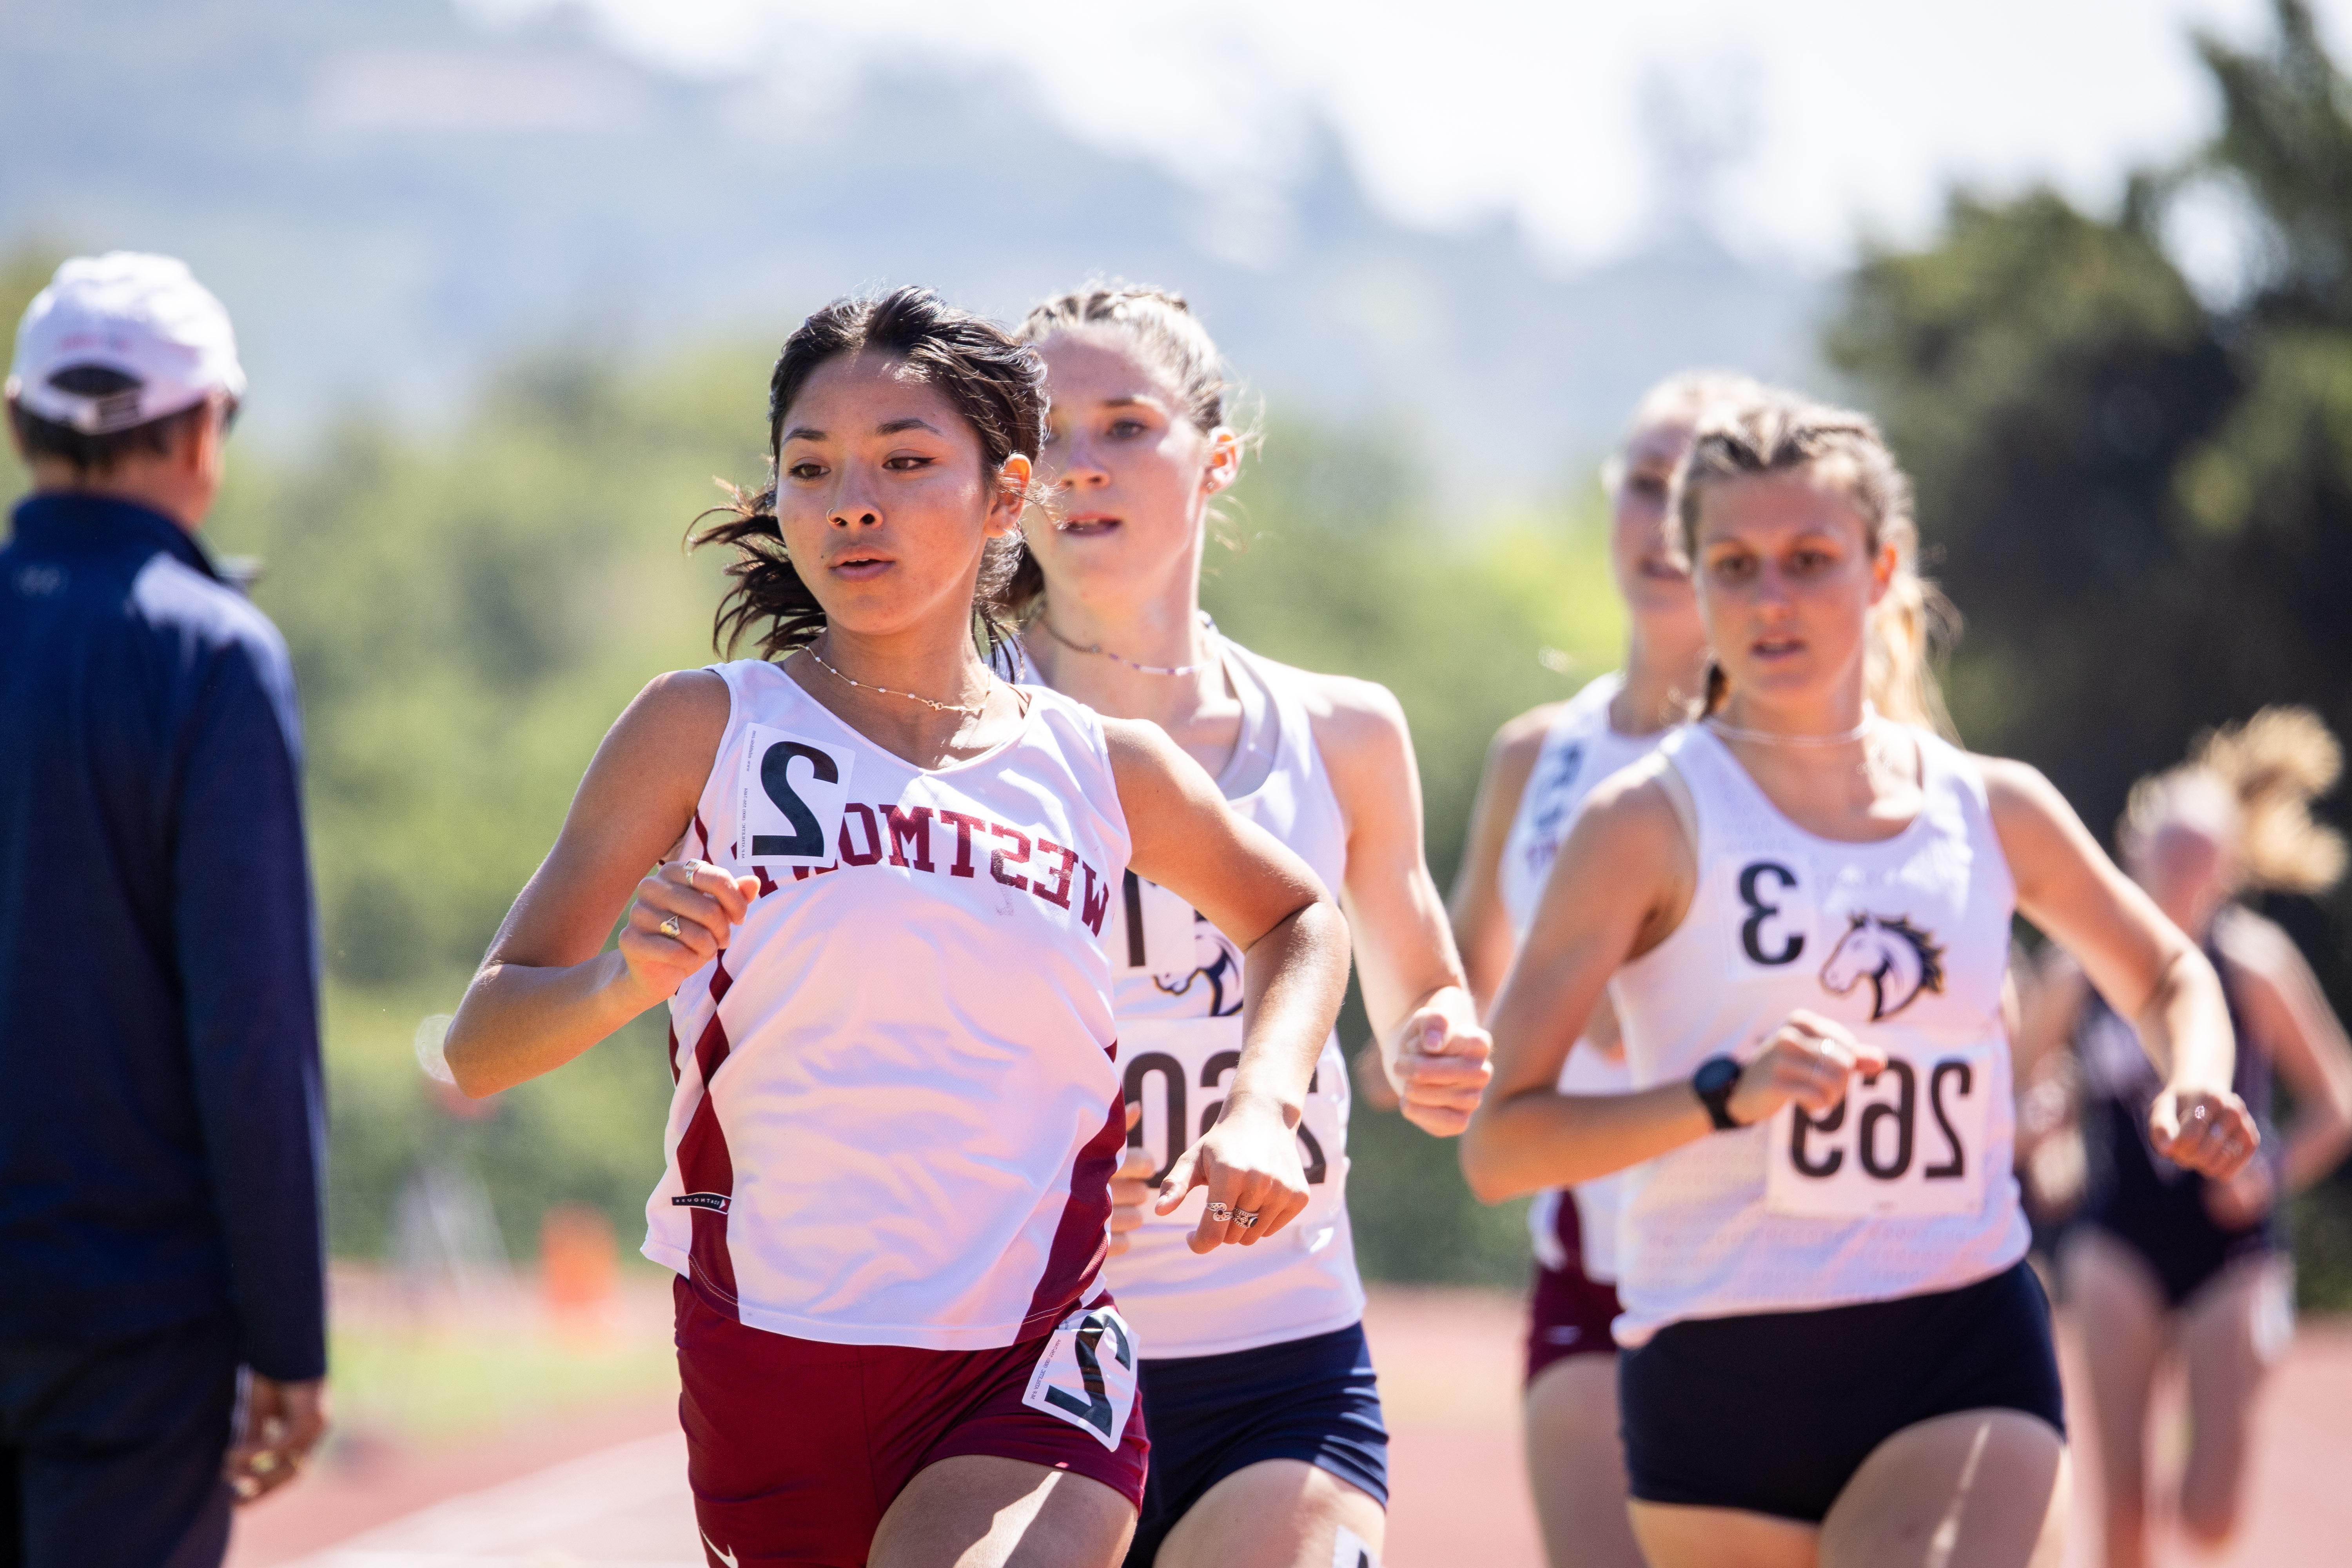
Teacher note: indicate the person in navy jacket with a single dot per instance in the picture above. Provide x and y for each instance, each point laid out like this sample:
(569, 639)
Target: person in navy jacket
(163, 1315)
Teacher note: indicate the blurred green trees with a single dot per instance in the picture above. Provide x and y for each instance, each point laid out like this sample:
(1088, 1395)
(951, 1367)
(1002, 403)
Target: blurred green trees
(2142, 498)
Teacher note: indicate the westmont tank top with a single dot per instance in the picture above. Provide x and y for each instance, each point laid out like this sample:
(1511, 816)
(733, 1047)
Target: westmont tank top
(1905, 1188)
(1180, 1023)
(1579, 750)
(898, 1104)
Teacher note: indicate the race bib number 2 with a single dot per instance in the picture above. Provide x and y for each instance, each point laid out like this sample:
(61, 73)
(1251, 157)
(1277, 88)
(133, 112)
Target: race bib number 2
(789, 798)
(1908, 1144)
(1086, 1376)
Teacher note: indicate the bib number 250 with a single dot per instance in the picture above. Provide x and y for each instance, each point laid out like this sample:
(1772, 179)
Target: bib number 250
(1909, 1141)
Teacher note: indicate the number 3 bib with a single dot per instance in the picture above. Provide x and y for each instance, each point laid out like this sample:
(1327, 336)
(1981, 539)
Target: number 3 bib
(1909, 1143)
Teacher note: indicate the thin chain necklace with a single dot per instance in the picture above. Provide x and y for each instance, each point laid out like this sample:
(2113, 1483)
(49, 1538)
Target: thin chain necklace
(1774, 738)
(972, 712)
(1101, 652)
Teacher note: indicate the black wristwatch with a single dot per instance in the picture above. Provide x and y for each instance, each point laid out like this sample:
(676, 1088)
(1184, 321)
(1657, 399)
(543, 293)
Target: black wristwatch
(1713, 1083)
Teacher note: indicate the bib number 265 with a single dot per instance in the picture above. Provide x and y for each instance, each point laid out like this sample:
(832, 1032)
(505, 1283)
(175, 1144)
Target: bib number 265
(1909, 1141)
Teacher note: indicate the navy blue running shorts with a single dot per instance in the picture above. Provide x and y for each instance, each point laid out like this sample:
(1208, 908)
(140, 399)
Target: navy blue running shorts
(1773, 1412)
(1314, 1400)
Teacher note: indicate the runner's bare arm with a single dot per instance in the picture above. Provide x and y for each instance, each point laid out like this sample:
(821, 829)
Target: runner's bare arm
(1293, 943)
(1620, 886)
(1481, 926)
(2149, 972)
(1432, 1047)
(547, 991)
(2285, 1008)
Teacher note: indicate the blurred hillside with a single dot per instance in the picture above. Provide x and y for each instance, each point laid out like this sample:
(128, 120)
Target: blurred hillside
(393, 200)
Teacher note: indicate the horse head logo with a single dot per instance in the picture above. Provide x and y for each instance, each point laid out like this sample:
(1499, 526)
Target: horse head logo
(1897, 958)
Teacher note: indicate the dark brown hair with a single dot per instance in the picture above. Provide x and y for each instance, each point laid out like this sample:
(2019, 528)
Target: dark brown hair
(1776, 432)
(97, 455)
(997, 385)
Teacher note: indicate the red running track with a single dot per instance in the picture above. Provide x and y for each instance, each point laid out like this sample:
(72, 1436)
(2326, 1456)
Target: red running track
(608, 1491)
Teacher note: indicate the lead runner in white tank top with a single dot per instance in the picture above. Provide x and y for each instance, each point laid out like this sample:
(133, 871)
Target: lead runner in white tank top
(823, 1103)
(885, 876)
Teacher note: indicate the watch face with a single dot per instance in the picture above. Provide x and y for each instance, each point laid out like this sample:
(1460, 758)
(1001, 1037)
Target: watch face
(1716, 1075)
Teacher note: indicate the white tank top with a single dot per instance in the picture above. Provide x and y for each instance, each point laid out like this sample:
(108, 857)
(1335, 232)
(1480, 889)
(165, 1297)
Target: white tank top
(1579, 750)
(1906, 1189)
(1179, 1025)
(897, 1106)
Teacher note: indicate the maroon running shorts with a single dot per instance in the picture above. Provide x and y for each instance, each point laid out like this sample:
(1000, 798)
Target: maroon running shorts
(1571, 1312)
(796, 1448)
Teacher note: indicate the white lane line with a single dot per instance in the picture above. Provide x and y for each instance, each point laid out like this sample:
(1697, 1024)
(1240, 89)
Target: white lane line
(514, 1524)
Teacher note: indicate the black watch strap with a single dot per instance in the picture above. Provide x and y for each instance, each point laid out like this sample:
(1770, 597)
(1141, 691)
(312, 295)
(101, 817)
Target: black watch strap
(1713, 1083)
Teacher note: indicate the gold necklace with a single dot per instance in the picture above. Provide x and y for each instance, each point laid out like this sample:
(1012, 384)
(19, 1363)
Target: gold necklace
(971, 712)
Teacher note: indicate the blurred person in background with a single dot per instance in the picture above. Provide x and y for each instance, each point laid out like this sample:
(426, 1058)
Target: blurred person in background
(1832, 1349)
(1268, 1446)
(878, 917)
(162, 1338)
(1541, 767)
(2163, 1261)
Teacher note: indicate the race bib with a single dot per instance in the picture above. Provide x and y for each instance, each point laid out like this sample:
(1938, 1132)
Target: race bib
(1908, 1144)
(1086, 1375)
(791, 796)
(1176, 1070)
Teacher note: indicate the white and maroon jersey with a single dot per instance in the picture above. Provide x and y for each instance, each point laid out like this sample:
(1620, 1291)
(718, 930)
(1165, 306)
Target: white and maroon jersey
(898, 1104)
(1179, 1025)
(1905, 1188)
(1579, 750)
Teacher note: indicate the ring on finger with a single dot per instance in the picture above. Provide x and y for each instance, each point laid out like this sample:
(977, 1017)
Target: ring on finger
(1244, 1218)
(669, 928)
(1221, 1212)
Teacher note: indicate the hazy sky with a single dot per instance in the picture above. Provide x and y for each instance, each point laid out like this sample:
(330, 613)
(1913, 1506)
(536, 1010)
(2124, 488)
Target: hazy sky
(1836, 117)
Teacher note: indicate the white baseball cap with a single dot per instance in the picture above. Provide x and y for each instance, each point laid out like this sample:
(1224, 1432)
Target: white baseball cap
(145, 316)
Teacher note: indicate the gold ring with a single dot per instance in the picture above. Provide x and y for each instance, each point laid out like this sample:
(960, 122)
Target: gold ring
(669, 927)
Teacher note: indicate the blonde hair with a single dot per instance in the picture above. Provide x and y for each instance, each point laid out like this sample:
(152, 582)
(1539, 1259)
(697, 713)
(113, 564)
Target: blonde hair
(1774, 432)
(2270, 769)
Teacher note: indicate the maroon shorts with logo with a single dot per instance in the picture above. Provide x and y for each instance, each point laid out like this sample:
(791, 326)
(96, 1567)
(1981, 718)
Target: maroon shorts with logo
(796, 1448)
(1571, 1312)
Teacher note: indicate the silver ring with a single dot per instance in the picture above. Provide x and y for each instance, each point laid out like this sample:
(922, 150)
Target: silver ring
(668, 927)
(1245, 1219)
(2196, 1113)
(1221, 1212)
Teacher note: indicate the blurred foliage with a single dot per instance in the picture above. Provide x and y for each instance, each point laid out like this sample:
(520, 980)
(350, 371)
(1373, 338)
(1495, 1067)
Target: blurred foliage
(2143, 500)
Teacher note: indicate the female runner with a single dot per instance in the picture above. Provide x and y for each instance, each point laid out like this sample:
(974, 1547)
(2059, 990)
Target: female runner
(878, 919)
(1541, 767)
(2157, 1255)
(1833, 1350)
(1267, 1445)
